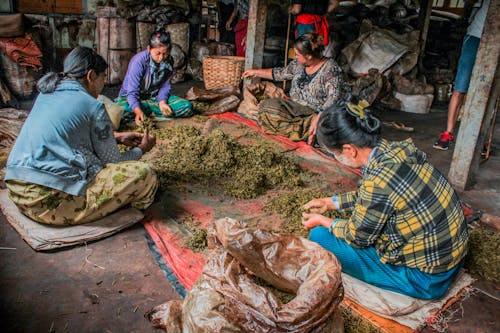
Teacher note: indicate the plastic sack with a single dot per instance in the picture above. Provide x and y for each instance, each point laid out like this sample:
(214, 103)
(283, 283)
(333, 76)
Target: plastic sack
(226, 299)
(381, 49)
(200, 94)
(114, 110)
(252, 95)
(410, 86)
(225, 104)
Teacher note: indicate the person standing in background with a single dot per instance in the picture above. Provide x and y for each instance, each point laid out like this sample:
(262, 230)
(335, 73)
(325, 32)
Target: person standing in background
(241, 9)
(464, 72)
(311, 16)
(226, 8)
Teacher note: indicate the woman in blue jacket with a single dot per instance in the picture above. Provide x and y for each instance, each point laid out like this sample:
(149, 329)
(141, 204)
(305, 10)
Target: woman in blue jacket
(65, 167)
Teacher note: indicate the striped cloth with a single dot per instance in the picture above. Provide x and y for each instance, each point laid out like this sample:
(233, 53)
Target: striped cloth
(286, 118)
(182, 108)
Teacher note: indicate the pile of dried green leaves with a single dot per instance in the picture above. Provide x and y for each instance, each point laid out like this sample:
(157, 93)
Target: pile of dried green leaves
(290, 206)
(483, 256)
(243, 171)
(356, 324)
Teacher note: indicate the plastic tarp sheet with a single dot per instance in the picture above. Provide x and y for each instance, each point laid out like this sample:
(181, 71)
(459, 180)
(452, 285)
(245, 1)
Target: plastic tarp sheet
(226, 299)
(381, 49)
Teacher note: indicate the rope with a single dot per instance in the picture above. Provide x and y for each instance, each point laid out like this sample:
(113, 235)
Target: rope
(441, 321)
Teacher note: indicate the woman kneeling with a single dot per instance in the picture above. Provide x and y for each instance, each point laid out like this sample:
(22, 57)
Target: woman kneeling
(407, 231)
(65, 167)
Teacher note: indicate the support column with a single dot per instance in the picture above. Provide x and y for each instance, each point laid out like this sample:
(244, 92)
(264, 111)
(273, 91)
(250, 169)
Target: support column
(256, 35)
(478, 108)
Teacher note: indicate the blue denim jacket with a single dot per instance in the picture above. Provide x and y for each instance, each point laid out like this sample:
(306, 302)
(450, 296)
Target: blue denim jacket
(66, 139)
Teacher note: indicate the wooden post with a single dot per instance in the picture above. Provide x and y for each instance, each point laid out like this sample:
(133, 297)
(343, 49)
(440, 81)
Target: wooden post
(481, 98)
(423, 25)
(256, 35)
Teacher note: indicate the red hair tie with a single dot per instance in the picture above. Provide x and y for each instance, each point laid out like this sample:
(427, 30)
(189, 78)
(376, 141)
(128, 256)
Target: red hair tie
(158, 35)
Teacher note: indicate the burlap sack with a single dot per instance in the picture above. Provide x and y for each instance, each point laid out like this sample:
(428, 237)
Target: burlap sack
(254, 93)
(114, 110)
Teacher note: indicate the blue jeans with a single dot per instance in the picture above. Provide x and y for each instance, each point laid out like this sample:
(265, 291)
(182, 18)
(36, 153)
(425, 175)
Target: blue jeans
(466, 63)
(364, 264)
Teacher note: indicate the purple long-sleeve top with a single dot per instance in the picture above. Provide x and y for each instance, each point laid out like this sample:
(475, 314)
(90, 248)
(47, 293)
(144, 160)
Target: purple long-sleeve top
(136, 84)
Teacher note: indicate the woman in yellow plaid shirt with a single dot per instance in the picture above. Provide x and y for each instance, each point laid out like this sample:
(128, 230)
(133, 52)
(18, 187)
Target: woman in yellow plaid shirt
(407, 231)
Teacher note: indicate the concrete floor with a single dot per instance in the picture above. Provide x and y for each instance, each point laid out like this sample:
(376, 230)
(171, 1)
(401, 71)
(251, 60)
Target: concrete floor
(108, 285)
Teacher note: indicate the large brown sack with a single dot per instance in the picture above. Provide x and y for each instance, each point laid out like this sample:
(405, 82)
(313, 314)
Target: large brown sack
(11, 25)
(201, 94)
(222, 105)
(253, 95)
(226, 299)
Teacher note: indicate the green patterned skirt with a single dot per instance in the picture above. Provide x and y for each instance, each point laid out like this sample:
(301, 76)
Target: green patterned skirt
(115, 186)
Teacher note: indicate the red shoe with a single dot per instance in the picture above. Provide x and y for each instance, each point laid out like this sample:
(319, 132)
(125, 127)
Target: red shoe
(444, 141)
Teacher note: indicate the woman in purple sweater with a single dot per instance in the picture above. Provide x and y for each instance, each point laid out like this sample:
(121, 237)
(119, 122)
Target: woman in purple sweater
(146, 88)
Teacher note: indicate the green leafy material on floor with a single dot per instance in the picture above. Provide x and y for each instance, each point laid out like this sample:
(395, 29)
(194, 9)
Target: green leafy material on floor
(356, 324)
(198, 240)
(290, 206)
(483, 256)
(216, 159)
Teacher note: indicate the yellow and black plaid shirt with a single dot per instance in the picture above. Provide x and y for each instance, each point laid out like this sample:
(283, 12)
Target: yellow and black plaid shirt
(406, 209)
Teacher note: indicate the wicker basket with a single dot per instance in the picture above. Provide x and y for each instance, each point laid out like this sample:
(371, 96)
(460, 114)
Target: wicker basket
(222, 71)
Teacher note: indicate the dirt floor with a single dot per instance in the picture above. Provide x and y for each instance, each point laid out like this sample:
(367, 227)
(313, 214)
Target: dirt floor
(109, 285)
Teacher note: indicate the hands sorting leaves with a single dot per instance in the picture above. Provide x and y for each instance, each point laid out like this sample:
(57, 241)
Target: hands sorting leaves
(147, 142)
(144, 141)
(129, 139)
(165, 109)
(313, 210)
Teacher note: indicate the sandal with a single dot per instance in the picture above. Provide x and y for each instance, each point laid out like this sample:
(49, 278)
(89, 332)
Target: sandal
(399, 126)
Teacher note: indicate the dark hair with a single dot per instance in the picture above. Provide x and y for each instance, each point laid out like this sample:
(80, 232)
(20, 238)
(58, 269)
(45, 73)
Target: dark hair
(347, 123)
(310, 44)
(76, 66)
(160, 37)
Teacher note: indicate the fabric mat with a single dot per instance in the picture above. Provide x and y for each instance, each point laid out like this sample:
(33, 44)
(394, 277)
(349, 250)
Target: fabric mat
(43, 237)
(393, 312)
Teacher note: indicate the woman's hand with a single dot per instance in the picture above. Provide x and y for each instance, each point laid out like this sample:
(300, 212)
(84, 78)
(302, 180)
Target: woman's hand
(312, 130)
(139, 116)
(129, 139)
(165, 109)
(310, 221)
(228, 24)
(320, 205)
(251, 73)
(147, 142)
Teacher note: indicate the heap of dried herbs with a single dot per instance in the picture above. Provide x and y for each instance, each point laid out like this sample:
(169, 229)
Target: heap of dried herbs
(290, 206)
(357, 324)
(243, 171)
(198, 240)
(483, 256)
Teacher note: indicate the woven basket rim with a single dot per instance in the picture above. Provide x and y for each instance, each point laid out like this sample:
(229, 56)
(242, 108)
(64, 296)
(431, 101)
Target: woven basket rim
(225, 57)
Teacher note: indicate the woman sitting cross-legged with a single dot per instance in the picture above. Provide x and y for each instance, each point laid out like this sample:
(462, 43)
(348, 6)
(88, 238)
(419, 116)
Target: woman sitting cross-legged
(146, 88)
(407, 231)
(317, 83)
(65, 167)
